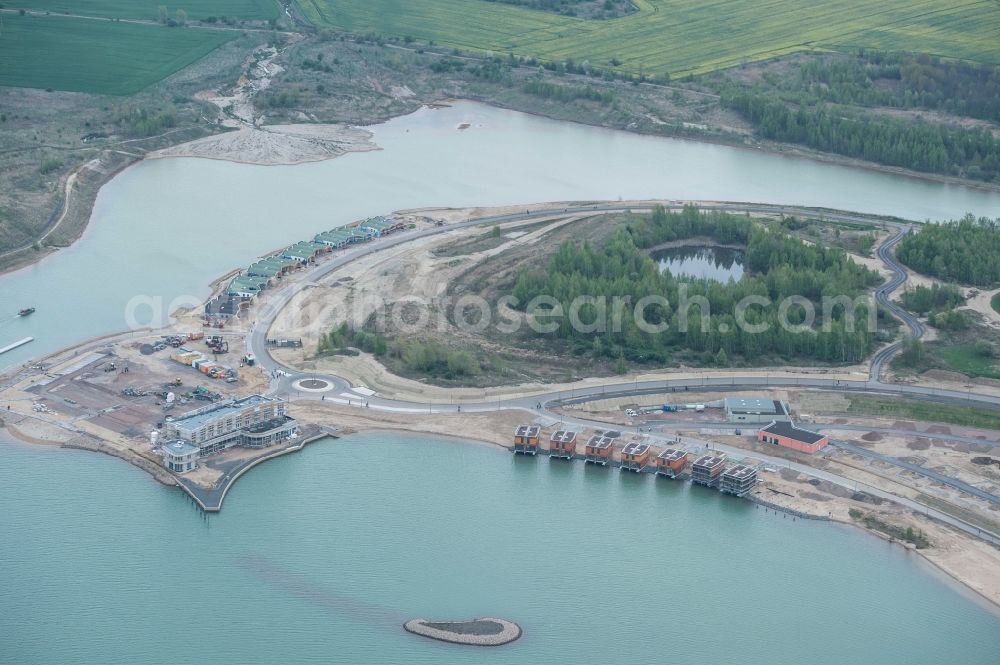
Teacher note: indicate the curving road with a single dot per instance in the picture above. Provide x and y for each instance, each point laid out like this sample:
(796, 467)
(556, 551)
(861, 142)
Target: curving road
(883, 298)
(286, 378)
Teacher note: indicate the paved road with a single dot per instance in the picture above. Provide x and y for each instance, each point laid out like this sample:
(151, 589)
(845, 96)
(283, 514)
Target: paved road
(916, 468)
(542, 402)
(739, 453)
(883, 297)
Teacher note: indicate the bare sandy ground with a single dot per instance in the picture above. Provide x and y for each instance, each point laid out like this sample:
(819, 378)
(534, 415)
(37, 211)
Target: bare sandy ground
(413, 270)
(276, 144)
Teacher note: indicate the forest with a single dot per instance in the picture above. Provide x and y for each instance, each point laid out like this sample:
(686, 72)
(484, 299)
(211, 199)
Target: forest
(844, 104)
(428, 358)
(965, 251)
(581, 8)
(922, 146)
(778, 266)
(897, 80)
(934, 298)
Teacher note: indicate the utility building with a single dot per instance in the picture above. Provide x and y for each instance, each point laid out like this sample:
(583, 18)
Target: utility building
(788, 435)
(752, 410)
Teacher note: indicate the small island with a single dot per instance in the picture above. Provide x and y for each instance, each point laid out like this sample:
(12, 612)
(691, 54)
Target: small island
(482, 632)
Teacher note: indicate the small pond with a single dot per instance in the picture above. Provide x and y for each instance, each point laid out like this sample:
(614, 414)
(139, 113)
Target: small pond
(718, 263)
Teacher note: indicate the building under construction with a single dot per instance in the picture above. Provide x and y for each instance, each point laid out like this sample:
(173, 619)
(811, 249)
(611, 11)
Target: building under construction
(738, 480)
(599, 450)
(256, 421)
(707, 469)
(562, 444)
(671, 462)
(635, 456)
(526, 439)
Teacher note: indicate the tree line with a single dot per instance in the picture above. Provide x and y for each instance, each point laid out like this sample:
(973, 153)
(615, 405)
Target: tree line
(965, 251)
(936, 297)
(900, 80)
(922, 146)
(429, 358)
(778, 266)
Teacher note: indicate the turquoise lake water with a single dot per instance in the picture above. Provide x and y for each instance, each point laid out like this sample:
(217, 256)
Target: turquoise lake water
(164, 229)
(320, 556)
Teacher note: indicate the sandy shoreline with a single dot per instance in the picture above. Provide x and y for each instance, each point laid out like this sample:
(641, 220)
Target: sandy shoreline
(498, 425)
(320, 150)
(436, 430)
(275, 145)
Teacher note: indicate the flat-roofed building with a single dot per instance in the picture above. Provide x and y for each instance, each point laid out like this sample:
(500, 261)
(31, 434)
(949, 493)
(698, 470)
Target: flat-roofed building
(707, 469)
(753, 410)
(738, 480)
(255, 421)
(180, 456)
(788, 435)
(526, 439)
(671, 462)
(562, 444)
(635, 456)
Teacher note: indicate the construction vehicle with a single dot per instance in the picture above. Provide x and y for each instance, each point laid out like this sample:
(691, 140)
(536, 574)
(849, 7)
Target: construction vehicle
(173, 384)
(204, 394)
(110, 367)
(174, 341)
(217, 345)
(192, 336)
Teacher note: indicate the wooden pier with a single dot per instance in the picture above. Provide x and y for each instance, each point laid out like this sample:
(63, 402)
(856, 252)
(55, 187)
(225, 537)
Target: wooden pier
(17, 344)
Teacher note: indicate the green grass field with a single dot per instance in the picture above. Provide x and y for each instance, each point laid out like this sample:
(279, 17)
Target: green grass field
(149, 9)
(964, 358)
(932, 412)
(681, 36)
(104, 57)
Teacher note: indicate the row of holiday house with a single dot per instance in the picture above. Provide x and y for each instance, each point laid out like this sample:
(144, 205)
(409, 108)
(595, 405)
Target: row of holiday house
(263, 274)
(711, 469)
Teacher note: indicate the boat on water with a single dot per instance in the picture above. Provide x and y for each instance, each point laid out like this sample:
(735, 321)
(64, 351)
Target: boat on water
(26, 311)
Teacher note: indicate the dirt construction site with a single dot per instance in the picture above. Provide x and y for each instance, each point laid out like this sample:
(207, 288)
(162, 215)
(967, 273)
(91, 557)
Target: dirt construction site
(115, 394)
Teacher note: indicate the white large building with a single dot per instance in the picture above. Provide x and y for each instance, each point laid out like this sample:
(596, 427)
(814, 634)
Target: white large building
(256, 421)
(180, 456)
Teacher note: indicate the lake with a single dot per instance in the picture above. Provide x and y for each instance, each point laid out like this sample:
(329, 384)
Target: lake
(164, 229)
(320, 556)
